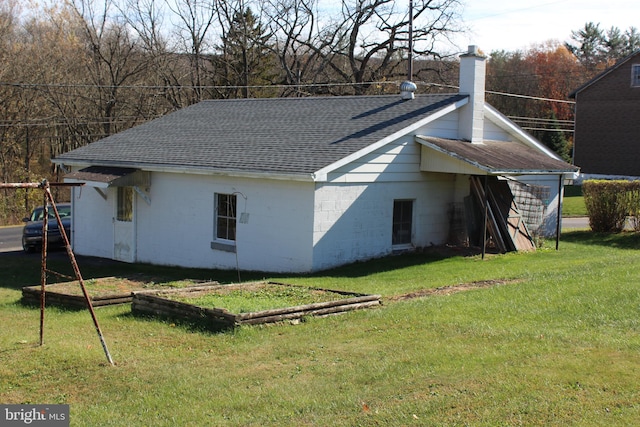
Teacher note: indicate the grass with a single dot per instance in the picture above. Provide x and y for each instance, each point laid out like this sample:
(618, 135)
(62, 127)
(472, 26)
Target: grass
(116, 285)
(257, 297)
(557, 346)
(573, 202)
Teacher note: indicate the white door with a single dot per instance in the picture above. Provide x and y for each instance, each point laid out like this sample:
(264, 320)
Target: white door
(124, 243)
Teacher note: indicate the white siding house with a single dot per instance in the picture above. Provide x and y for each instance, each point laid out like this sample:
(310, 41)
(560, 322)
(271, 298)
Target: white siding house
(297, 184)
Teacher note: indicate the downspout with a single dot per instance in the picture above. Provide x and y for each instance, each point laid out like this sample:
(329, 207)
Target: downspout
(575, 116)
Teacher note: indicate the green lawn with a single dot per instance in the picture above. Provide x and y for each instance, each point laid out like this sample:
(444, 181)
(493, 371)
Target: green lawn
(558, 345)
(573, 202)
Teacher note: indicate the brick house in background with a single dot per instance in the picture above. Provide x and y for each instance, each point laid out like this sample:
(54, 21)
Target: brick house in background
(607, 123)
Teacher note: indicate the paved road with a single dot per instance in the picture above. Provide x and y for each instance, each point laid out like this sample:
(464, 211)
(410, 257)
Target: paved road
(577, 222)
(11, 238)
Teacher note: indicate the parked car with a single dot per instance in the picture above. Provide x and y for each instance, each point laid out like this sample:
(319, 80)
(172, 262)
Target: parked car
(32, 231)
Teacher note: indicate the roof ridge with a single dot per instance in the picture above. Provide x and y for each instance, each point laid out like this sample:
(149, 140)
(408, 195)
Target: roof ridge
(325, 97)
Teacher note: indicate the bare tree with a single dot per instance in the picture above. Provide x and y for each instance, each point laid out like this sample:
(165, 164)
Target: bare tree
(295, 26)
(116, 59)
(166, 75)
(365, 43)
(196, 20)
(24, 154)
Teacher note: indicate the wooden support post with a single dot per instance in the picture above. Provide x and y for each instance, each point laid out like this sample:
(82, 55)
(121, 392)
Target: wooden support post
(485, 215)
(559, 216)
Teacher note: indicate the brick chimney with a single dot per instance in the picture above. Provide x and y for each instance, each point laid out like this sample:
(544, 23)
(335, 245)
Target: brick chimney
(472, 83)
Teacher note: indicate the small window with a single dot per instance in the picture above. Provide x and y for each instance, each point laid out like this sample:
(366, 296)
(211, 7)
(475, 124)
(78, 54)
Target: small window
(125, 204)
(225, 217)
(402, 222)
(635, 75)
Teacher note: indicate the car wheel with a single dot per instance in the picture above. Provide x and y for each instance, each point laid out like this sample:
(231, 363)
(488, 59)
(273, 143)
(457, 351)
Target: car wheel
(26, 248)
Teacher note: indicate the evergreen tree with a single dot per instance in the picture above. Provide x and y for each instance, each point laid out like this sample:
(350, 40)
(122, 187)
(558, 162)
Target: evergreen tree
(597, 49)
(590, 48)
(633, 40)
(247, 59)
(555, 139)
(616, 44)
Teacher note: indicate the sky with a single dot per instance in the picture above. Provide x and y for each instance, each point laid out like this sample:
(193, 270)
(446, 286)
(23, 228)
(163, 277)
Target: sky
(517, 24)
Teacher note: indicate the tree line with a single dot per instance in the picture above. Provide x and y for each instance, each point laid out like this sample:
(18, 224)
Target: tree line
(80, 70)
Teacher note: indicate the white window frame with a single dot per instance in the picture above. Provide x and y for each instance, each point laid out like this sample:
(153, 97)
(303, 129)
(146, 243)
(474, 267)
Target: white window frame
(225, 241)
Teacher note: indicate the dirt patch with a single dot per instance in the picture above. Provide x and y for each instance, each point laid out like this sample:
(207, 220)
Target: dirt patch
(452, 289)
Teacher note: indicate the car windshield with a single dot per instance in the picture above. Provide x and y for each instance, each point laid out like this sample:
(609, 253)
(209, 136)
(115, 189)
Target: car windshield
(63, 211)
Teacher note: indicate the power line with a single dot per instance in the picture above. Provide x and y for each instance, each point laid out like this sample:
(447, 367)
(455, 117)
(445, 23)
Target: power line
(537, 98)
(546, 129)
(38, 122)
(541, 119)
(58, 121)
(277, 86)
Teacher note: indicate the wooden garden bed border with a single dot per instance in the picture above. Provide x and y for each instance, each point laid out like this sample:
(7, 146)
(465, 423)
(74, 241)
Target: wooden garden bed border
(31, 296)
(152, 302)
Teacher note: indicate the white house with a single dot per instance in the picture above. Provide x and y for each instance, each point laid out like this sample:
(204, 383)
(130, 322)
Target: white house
(299, 184)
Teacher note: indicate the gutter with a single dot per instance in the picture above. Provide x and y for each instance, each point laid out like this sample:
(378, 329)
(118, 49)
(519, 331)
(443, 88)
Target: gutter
(151, 167)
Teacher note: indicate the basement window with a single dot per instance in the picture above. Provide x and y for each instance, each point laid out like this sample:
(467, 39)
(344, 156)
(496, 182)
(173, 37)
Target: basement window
(402, 222)
(635, 75)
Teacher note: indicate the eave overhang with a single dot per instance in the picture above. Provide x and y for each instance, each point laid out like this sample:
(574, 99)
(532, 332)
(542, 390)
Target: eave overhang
(180, 169)
(496, 158)
(105, 176)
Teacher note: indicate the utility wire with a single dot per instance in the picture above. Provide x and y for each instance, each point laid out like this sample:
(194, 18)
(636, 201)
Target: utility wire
(271, 86)
(60, 121)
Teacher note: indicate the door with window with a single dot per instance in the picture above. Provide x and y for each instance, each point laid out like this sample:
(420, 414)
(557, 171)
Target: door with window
(123, 226)
(402, 223)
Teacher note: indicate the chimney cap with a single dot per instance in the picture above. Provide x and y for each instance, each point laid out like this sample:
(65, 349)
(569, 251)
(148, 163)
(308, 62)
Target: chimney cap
(473, 50)
(407, 89)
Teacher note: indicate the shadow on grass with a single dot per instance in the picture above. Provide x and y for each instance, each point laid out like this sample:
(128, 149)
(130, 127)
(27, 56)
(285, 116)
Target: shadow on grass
(20, 270)
(394, 262)
(623, 240)
(189, 325)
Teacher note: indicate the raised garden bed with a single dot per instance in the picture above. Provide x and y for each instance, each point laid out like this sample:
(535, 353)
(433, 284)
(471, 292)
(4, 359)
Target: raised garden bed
(227, 306)
(102, 291)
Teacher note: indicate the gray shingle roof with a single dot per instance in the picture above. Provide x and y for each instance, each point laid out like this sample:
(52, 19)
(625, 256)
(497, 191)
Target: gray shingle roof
(275, 135)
